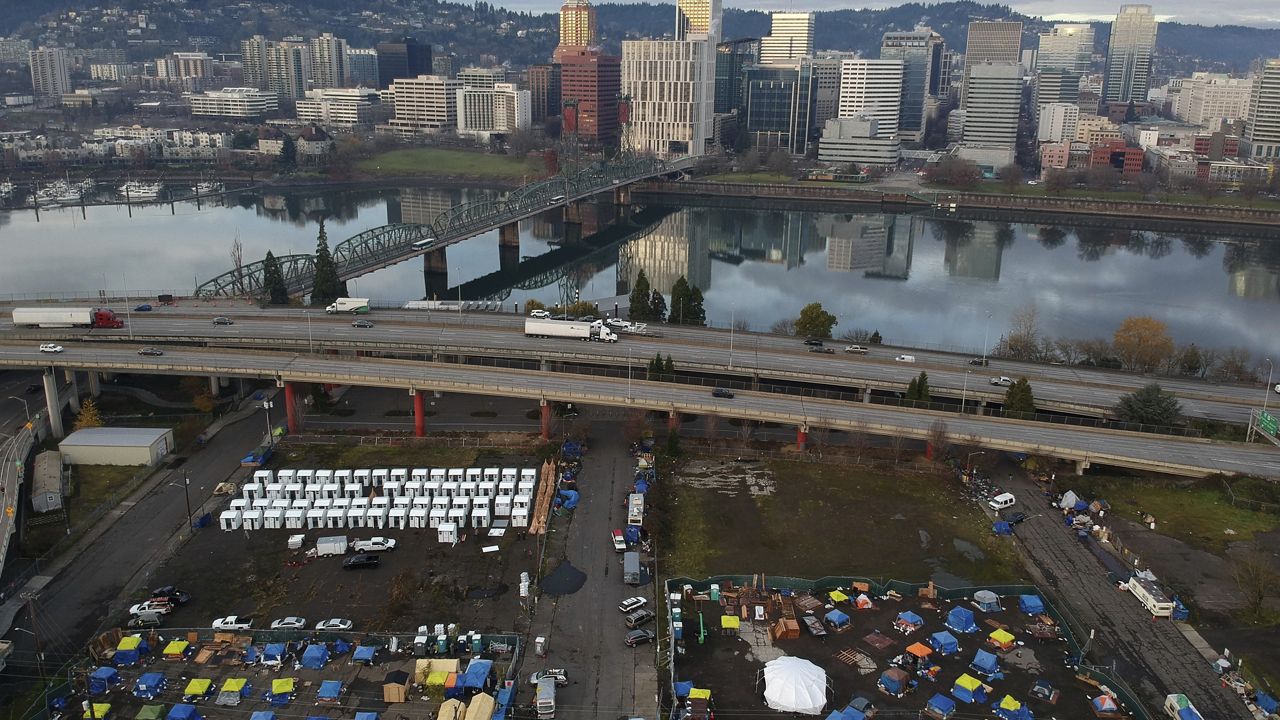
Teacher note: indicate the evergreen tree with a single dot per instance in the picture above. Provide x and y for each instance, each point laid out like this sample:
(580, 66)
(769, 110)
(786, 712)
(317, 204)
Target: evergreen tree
(918, 388)
(875, 338)
(912, 391)
(1149, 405)
(1018, 398)
(695, 314)
(669, 369)
(89, 416)
(657, 307)
(273, 281)
(288, 153)
(638, 308)
(679, 300)
(656, 367)
(327, 287)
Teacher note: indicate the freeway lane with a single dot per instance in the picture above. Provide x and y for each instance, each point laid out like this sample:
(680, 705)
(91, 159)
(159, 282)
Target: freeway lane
(1188, 457)
(1066, 389)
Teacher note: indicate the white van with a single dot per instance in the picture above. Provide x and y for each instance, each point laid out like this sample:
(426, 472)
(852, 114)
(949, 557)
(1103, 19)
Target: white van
(906, 358)
(1002, 501)
(544, 701)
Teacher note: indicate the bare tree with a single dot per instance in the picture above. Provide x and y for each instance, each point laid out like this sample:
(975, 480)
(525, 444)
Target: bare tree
(746, 429)
(785, 326)
(1256, 577)
(897, 444)
(742, 325)
(859, 441)
(237, 263)
(1236, 364)
(938, 439)
(1022, 342)
(1068, 350)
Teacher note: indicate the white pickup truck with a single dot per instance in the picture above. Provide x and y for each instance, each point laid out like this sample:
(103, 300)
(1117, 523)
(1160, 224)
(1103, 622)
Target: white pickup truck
(374, 544)
(233, 622)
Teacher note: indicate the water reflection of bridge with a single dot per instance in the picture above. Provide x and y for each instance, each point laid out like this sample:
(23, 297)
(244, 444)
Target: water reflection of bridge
(595, 252)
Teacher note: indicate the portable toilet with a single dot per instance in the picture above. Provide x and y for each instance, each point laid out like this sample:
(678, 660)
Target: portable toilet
(355, 517)
(419, 474)
(342, 477)
(502, 506)
(437, 517)
(399, 475)
(335, 518)
(398, 518)
(315, 518)
(273, 519)
(439, 474)
(413, 488)
(230, 520)
(363, 476)
(447, 533)
(295, 519)
(379, 476)
(418, 517)
(458, 516)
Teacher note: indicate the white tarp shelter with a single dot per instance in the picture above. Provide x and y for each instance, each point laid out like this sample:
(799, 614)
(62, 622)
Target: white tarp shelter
(795, 685)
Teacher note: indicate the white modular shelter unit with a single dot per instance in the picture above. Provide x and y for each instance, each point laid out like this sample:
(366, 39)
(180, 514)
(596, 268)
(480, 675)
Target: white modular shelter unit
(431, 488)
(438, 516)
(273, 519)
(315, 518)
(398, 518)
(294, 490)
(353, 490)
(251, 491)
(295, 519)
(286, 476)
(393, 488)
(252, 520)
(364, 477)
(400, 475)
(507, 488)
(380, 476)
(324, 477)
(469, 488)
(419, 474)
(413, 488)
(439, 474)
(335, 518)
(418, 517)
(263, 476)
(502, 506)
(457, 474)
(239, 504)
(342, 477)
(274, 491)
(447, 533)
(230, 520)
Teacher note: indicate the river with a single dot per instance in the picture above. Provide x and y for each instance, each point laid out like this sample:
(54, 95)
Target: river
(919, 281)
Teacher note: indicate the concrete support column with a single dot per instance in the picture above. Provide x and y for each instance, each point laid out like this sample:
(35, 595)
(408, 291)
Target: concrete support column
(622, 196)
(55, 405)
(95, 384)
(74, 400)
(435, 274)
(291, 408)
(509, 246)
(1081, 466)
(866, 394)
(545, 409)
(673, 421)
(215, 387)
(802, 438)
(419, 415)
(572, 233)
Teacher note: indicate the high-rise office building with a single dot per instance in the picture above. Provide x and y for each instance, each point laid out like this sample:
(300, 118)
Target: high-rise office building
(482, 77)
(994, 99)
(921, 54)
(732, 58)
(1206, 97)
(404, 59)
(671, 86)
(49, 75)
(872, 88)
(578, 24)
(425, 104)
(1133, 39)
(790, 37)
(778, 110)
(590, 83)
(253, 61)
(498, 109)
(1262, 133)
(991, 41)
(183, 65)
(1067, 46)
(826, 82)
(362, 67)
(1056, 85)
(288, 69)
(544, 92)
(1058, 122)
(328, 61)
(698, 18)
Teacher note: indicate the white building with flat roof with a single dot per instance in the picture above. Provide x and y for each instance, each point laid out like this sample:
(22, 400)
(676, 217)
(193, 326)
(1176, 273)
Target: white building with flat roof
(233, 103)
(1058, 122)
(858, 140)
(340, 107)
(790, 37)
(498, 110)
(671, 84)
(424, 104)
(116, 446)
(872, 88)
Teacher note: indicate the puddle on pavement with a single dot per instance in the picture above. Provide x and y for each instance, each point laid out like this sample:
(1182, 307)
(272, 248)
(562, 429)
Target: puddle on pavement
(969, 550)
(564, 580)
(729, 478)
(945, 579)
(924, 539)
(1023, 658)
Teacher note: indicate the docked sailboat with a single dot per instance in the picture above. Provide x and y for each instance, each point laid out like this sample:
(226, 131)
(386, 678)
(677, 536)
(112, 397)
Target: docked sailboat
(138, 191)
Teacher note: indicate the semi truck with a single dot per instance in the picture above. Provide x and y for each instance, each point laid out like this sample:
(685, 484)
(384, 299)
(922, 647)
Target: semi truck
(355, 306)
(60, 317)
(594, 331)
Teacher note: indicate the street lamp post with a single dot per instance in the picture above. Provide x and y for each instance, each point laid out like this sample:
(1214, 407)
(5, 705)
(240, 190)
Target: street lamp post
(186, 494)
(964, 391)
(310, 348)
(986, 325)
(733, 320)
(1266, 391)
(968, 461)
(267, 405)
(25, 407)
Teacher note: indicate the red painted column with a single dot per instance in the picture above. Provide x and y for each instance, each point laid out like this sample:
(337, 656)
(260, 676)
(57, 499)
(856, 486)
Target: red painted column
(673, 421)
(291, 407)
(546, 420)
(802, 437)
(419, 415)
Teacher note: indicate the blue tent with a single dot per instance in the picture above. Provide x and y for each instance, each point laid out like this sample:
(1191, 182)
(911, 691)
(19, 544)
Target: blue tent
(1000, 527)
(837, 619)
(183, 712)
(1030, 604)
(968, 689)
(273, 653)
(503, 703)
(315, 656)
(985, 663)
(477, 674)
(102, 680)
(894, 681)
(942, 706)
(149, 685)
(262, 715)
(364, 654)
(944, 642)
(909, 617)
(340, 646)
(631, 534)
(1267, 703)
(683, 687)
(960, 619)
(642, 487)
(366, 716)
(836, 715)
(853, 714)
(330, 690)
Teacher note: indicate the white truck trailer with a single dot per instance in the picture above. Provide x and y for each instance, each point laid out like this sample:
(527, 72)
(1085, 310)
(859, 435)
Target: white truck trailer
(594, 331)
(355, 306)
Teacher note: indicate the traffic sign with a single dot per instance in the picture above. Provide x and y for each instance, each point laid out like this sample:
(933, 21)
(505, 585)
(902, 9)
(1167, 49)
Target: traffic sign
(1267, 422)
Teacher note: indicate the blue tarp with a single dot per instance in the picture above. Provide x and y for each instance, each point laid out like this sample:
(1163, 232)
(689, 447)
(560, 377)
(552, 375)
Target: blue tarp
(149, 685)
(273, 652)
(837, 618)
(1267, 703)
(262, 715)
(1022, 713)
(123, 658)
(683, 688)
(960, 619)
(340, 646)
(364, 654)
(853, 714)
(568, 499)
(1187, 713)
(102, 679)
(1000, 527)
(631, 533)
(183, 712)
(894, 681)
(330, 690)
(314, 657)
(477, 674)
(965, 695)
(366, 716)
(909, 617)
(503, 703)
(985, 663)
(944, 642)
(942, 705)
(1030, 604)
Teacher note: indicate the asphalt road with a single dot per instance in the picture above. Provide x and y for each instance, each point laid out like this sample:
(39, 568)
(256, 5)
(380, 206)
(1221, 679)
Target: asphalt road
(742, 353)
(1115, 448)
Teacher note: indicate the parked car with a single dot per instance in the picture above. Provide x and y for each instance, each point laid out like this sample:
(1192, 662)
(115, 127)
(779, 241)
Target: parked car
(619, 541)
(983, 362)
(560, 675)
(152, 351)
(223, 320)
(172, 594)
(233, 622)
(293, 622)
(154, 605)
(356, 562)
(587, 318)
(1013, 518)
(631, 603)
(146, 620)
(374, 544)
(144, 307)
(816, 342)
(639, 637)
(725, 393)
(857, 349)
(1003, 381)
(639, 617)
(50, 348)
(362, 323)
(541, 314)
(335, 624)
(824, 350)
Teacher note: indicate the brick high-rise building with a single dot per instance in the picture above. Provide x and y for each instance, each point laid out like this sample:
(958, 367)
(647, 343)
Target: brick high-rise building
(544, 91)
(590, 83)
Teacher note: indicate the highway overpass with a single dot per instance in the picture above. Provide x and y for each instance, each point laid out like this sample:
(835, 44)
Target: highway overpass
(1188, 457)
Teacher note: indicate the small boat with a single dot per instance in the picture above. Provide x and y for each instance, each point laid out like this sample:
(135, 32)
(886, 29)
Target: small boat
(208, 188)
(137, 191)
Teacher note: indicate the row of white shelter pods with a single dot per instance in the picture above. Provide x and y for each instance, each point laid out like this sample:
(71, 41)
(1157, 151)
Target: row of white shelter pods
(383, 499)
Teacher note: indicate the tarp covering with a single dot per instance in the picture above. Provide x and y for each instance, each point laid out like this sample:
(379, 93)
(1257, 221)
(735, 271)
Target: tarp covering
(700, 694)
(919, 650)
(102, 679)
(273, 652)
(730, 622)
(452, 709)
(481, 707)
(366, 716)
(1267, 702)
(1008, 703)
(477, 675)
(198, 686)
(1069, 500)
(969, 689)
(683, 687)
(129, 642)
(235, 685)
(1000, 527)
(176, 648)
(1030, 604)
(795, 685)
(1000, 638)
(944, 642)
(909, 618)
(1105, 703)
(150, 712)
(98, 711)
(262, 715)
(329, 690)
(894, 681)
(149, 685)
(942, 705)
(837, 596)
(183, 712)
(960, 619)
(315, 656)
(364, 654)
(985, 663)
(837, 618)
(282, 686)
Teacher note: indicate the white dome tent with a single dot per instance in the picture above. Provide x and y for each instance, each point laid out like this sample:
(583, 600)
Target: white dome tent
(795, 685)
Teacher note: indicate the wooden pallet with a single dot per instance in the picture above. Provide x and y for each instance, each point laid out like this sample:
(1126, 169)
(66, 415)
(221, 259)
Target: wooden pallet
(853, 658)
(542, 501)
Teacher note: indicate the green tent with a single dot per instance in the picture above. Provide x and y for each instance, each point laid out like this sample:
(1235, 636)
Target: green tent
(150, 712)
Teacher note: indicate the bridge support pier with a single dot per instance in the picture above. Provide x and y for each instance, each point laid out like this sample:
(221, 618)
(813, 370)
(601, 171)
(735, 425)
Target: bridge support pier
(435, 274)
(95, 384)
(544, 408)
(802, 438)
(75, 391)
(1081, 466)
(215, 386)
(292, 414)
(673, 421)
(419, 414)
(572, 233)
(509, 246)
(866, 394)
(55, 405)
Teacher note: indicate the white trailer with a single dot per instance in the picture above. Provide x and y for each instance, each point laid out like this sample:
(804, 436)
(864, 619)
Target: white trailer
(535, 327)
(355, 306)
(331, 545)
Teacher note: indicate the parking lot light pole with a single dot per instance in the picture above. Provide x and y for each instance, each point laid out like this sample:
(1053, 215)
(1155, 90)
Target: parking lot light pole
(267, 405)
(968, 461)
(186, 494)
(27, 408)
(964, 391)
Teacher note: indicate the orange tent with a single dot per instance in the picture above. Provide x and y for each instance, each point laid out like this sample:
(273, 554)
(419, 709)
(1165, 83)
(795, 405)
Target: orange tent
(920, 650)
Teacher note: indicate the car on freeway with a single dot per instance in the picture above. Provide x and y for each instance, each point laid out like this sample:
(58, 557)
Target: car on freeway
(979, 361)
(233, 622)
(333, 624)
(172, 594)
(50, 347)
(144, 307)
(560, 675)
(152, 351)
(357, 562)
(293, 622)
(905, 358)
(540, 314)
(223, 320)
(1002, 381)
(823, 350)
(34, 388)
(725, 393)
(154, 605)
(588, 318)
(374, 544)
(636, 638)
(362, 323)
(1278, 387)
(617, 322)
(856, 349)
(631, 603)
(815, 342)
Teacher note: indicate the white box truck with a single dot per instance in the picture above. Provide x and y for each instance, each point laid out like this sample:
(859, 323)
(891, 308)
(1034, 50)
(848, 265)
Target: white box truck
(544, 702)
(635, 509)
(595, 331)
(355, 306)
(331, 545)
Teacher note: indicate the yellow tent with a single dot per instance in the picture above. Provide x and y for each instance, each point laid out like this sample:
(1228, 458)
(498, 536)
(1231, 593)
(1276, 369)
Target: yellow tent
(699, 693)
(453, 709)
(1001, 638)
(437, 678)
(234, 684)
(282, 686)
(729, 622)
(481, 707)
(176, 648)
(425, 669)
(968, 682)
(129, 642)
(1008, 703)
(837, 596)
(99, 711)
(198, 686)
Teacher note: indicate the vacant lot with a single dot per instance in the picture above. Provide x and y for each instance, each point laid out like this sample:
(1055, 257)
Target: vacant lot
(810, 520)
(446, 163)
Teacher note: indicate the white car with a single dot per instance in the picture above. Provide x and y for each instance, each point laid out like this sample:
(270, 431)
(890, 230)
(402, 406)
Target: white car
(617, 322)
(50, 347)
(152, 606)
(1003, 381)
(541, 314)
(631, 603)
(233, 622)
(335, 624)
(1002, 501)
(374, 544)
(292, 622)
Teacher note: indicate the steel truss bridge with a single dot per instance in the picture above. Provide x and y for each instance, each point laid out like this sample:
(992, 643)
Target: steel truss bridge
(387, 245)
